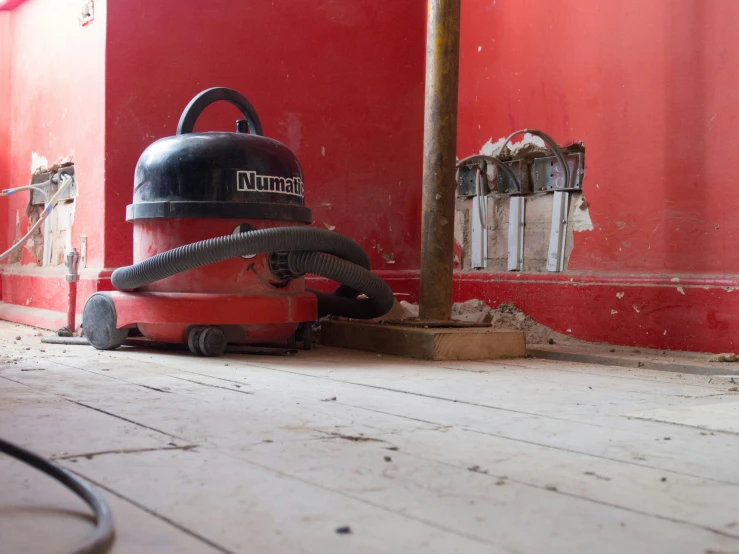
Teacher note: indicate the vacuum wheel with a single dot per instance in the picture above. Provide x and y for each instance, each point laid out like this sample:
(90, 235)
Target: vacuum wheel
(206, 341)
(99, 318)
(304, 335)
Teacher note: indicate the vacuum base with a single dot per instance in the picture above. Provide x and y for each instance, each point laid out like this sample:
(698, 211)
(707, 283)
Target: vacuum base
(207, 323)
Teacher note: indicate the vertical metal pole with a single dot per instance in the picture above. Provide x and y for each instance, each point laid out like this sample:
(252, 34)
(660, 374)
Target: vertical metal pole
(439, 152)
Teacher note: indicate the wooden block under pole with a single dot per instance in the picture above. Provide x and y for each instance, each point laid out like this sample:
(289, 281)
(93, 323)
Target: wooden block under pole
(437, 343)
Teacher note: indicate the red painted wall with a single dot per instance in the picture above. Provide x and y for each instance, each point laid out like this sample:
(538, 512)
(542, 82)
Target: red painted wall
(651, 88)
(339, 82)
(4, 124)
(56, 106)
(9, 4)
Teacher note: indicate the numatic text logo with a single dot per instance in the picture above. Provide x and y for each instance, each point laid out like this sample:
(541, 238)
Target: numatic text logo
(252, 182)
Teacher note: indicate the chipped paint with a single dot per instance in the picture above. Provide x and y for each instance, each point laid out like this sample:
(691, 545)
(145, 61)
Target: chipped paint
(681, 290)
(38, 163)
(636, 308)
(328, 225)
(675, 279)
(491, 148)
(462, 233)
(614, 312)
(620, 295)
(581, 216)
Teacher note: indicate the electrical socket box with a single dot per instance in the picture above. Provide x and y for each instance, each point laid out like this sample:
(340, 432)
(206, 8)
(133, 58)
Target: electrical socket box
(466, 185)
(542, 175)
(46, 181)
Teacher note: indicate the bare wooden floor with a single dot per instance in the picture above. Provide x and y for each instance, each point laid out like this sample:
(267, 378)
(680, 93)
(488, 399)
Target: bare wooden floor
(259, 454)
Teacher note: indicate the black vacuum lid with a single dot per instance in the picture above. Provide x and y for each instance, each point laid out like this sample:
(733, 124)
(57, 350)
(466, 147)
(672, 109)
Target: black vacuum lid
(217, 174)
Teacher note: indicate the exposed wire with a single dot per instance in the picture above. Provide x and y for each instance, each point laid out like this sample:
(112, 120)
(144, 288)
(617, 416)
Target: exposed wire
(8, 192)
(553, 146)
(487, 158)
(66, 180)
(556, 150)
(102, 539)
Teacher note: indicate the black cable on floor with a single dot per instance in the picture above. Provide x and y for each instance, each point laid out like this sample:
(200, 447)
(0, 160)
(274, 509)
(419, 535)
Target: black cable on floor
(101, 541)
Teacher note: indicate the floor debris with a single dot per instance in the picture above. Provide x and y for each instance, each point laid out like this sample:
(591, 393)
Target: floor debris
(729, 357)
(504, 317)
(353, 438)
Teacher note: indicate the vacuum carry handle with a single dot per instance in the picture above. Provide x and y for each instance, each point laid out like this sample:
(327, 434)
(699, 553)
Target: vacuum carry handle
(207, 97)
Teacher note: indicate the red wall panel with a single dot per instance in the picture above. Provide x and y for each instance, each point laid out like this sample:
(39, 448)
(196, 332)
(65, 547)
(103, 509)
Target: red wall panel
(4, 124)
(339, 82)
(57, 106)
(651, 88)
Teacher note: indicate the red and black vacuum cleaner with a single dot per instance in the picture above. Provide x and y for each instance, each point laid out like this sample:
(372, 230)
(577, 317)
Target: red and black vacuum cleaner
(222, 246)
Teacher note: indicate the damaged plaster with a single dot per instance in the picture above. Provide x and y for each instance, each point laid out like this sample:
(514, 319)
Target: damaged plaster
(60, 220)
(536, 231)
(581, 215)
(491, 148)
(39, 163)
(538, 216)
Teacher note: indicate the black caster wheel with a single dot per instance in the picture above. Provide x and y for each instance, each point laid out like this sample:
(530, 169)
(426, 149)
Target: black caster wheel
(206, 341)
(99, 319)
(193, 336)
(212, 342)
(306, 335)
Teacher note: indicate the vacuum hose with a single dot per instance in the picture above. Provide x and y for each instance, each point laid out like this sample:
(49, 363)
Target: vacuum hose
(310, 250)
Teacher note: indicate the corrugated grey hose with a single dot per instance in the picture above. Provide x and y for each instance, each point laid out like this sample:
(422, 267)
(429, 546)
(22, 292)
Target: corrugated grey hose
(316, 251)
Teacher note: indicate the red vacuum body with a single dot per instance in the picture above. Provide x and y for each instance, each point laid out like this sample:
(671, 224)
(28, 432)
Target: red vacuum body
(239, 295)
(221, 246)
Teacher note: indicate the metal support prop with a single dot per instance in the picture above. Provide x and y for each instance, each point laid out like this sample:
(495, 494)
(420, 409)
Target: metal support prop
(439, 152)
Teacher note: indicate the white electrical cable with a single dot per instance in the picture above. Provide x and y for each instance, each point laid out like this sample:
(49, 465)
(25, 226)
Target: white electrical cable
(8, 192)
(66, 180)
(47, 223)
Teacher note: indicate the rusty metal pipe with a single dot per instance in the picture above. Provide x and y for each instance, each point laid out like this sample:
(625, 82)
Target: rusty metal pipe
(439, 151)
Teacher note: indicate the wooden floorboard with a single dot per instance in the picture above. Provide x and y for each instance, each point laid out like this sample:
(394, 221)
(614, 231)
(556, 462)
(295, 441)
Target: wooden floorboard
(245, 454)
